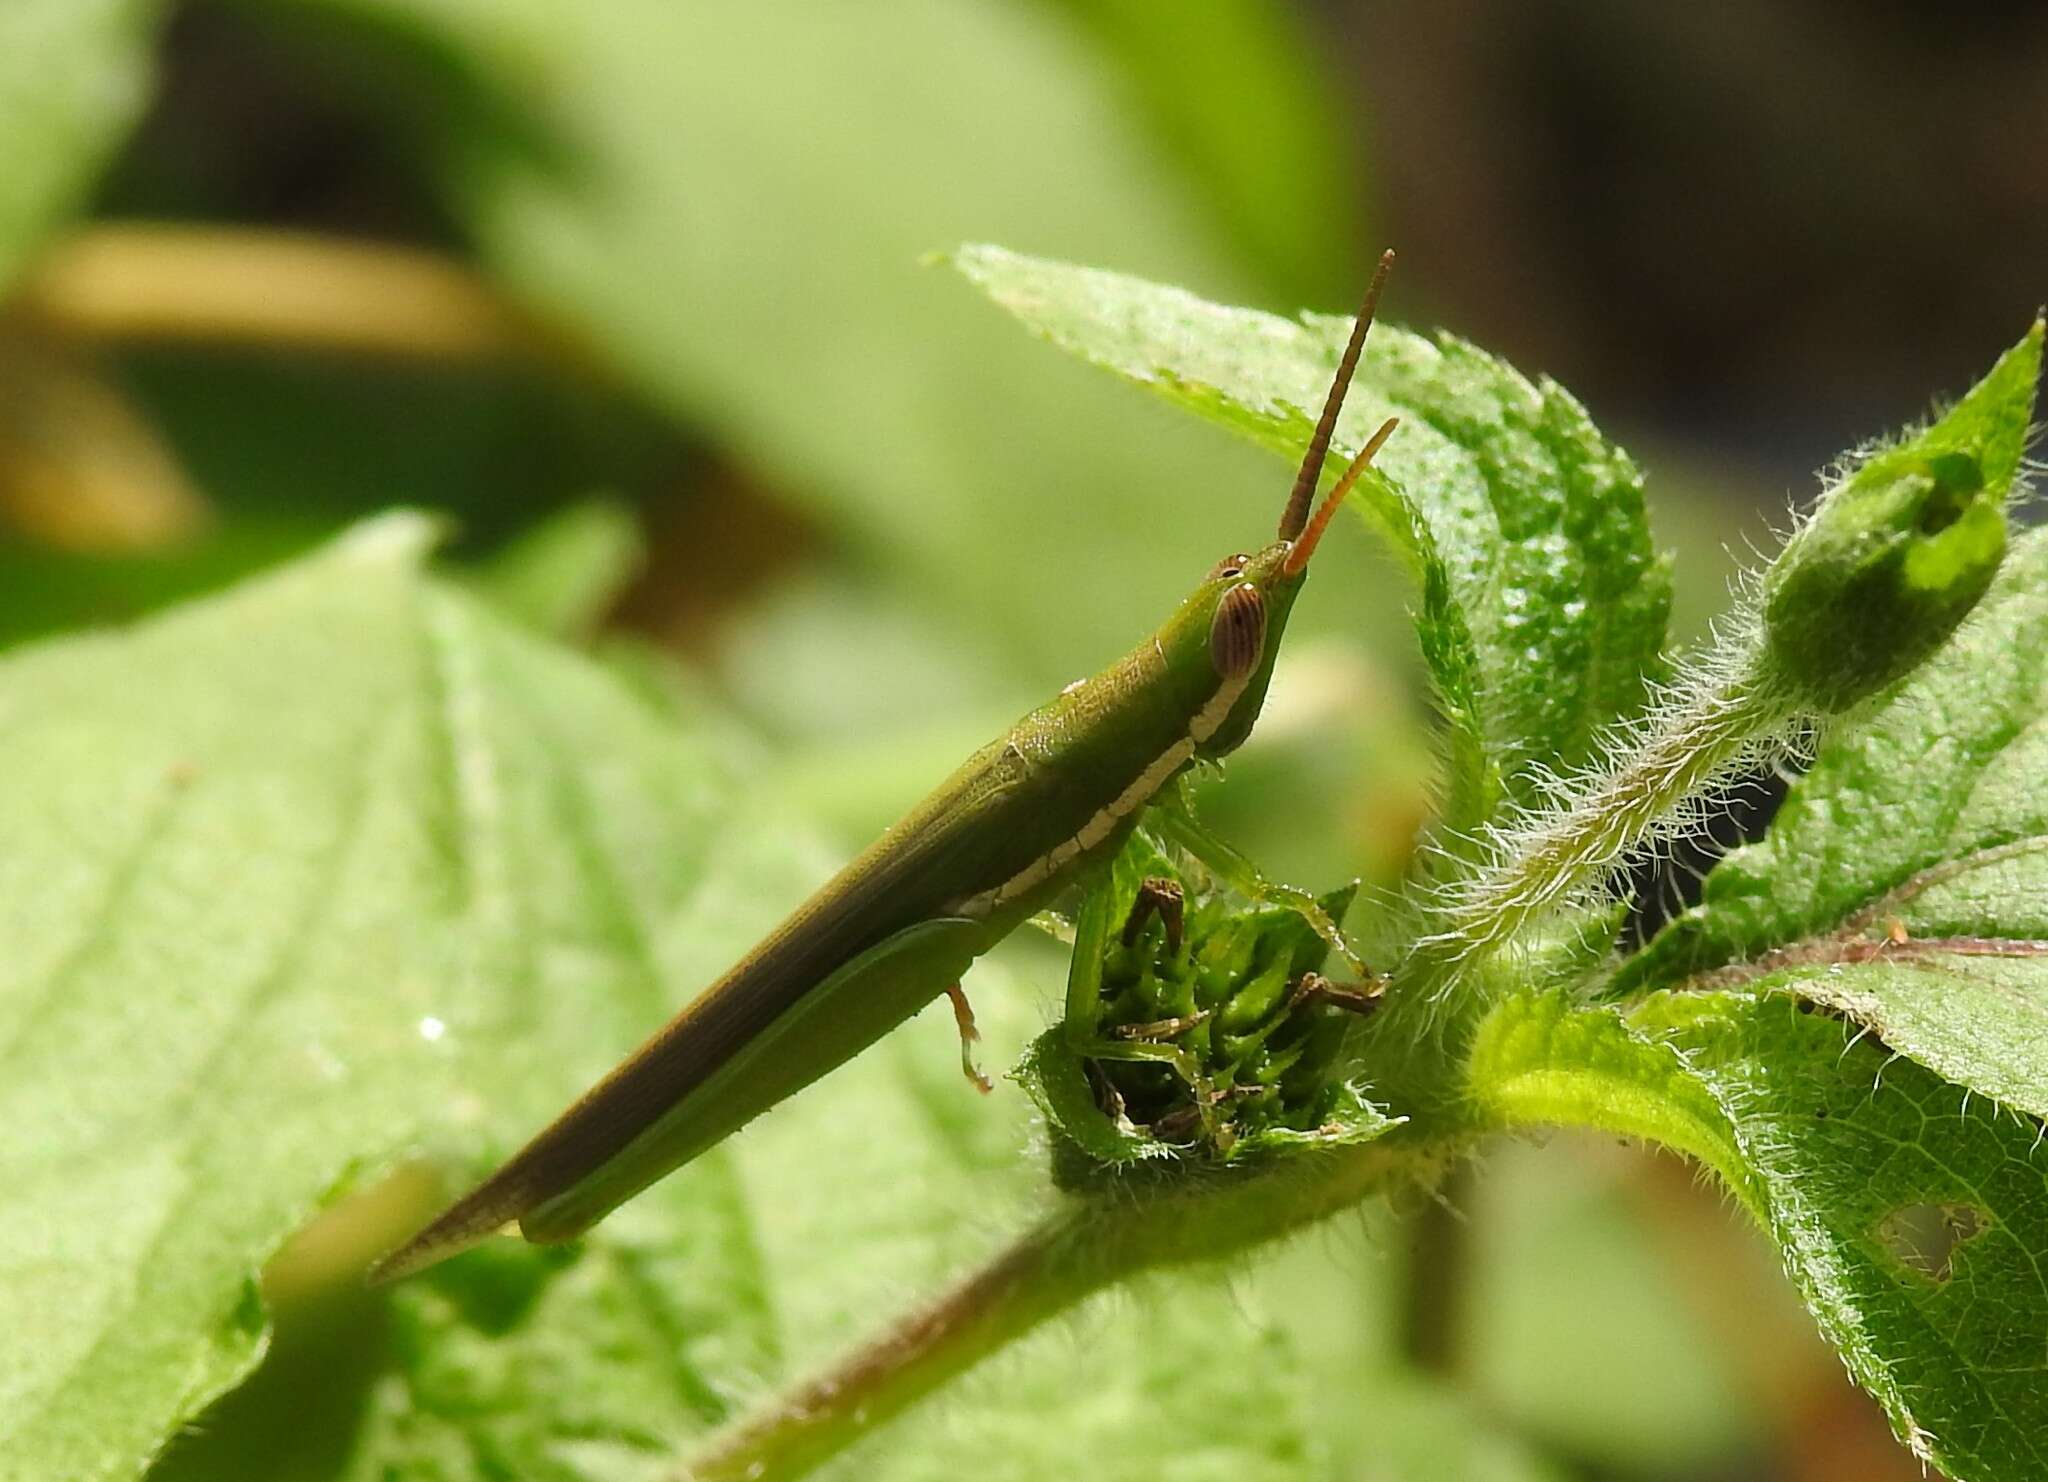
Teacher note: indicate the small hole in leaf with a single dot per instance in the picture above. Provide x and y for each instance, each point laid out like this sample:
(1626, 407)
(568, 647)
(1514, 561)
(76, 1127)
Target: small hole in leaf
(1924, 1238)
(1942, 509)
(1956, 482)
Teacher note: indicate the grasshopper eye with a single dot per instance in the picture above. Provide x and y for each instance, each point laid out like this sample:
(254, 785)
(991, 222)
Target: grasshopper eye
(1237, 634)
(1228, 566)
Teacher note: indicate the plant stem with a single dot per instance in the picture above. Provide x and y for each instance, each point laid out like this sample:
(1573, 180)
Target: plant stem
(1439, 1274)
(875, 1381)
(1083, 1247)
(1559, 855)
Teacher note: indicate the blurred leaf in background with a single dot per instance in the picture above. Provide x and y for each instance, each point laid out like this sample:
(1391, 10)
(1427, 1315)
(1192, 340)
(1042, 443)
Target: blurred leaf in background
(746, 259)
(1271, 139)
(74, 77)
(749, 256)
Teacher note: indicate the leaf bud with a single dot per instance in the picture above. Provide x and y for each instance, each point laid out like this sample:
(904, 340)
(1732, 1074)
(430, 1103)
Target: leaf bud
(1888, 566)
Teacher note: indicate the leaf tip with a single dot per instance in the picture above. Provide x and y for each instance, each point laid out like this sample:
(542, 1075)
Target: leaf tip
(398, 537)
(1897, 554)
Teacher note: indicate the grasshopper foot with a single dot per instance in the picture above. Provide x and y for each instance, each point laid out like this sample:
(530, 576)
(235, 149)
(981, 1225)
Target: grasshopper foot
(963, 1020)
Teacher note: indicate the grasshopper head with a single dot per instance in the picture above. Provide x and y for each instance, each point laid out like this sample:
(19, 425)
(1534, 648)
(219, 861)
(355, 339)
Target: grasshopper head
(1246, 599)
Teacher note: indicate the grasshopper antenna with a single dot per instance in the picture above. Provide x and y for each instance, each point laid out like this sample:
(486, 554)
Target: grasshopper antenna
(1295, 518)
(1297, 556)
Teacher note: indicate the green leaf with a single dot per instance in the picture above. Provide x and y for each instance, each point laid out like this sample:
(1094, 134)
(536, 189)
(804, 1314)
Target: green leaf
(74, 75)
(1530, 530)
(298, 879)
(1925, 820)
(1541, 1060)
(1899, 553)
(342, 866)
(1912, 1220)
(532, 1362)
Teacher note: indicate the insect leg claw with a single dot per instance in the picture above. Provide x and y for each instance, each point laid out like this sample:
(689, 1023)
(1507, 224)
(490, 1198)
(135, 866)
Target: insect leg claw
(963, 1020)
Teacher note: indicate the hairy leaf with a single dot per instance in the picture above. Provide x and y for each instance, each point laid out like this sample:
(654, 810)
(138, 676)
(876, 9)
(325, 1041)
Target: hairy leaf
(1541, 1060)
(1912, 1219)
(1522, 523)
(1905, 880)
(1902, 548)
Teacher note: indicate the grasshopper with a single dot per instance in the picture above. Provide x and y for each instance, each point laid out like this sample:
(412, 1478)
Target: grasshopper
(1028, 816)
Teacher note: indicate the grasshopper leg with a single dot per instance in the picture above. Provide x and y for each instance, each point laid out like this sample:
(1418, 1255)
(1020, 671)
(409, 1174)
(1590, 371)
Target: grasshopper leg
(963, 1020)
(1161, 1029)
(1353, 998)
(1156, 894)
(1174, 816)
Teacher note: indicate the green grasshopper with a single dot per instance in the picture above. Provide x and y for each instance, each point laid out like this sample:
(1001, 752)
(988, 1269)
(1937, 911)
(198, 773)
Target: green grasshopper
(1022, 820)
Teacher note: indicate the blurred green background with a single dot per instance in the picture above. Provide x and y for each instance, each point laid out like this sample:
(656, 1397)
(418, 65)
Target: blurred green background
(635, 292)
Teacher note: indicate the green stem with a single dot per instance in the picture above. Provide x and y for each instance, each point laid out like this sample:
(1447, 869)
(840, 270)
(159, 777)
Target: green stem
(1439, 1277)
(1080, 1249)
(876, 1381)
(1558, 856)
